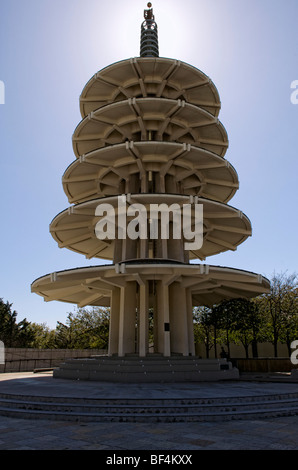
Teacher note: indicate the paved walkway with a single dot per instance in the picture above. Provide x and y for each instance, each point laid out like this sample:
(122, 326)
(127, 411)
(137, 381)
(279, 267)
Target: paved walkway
(264, 434)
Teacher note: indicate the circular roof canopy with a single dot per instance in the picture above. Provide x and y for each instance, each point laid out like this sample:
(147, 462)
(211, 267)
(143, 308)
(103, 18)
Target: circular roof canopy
(145, 77)
(199, 172)
(93, 285)
(224, 226)
(157, 119)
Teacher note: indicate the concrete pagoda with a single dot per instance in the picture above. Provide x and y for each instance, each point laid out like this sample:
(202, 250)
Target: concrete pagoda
(150, 132)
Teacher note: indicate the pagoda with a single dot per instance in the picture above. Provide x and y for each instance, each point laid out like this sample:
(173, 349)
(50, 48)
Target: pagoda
(150, 134)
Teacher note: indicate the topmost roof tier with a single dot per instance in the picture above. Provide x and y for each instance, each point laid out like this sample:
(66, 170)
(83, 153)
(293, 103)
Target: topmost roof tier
(143, 77)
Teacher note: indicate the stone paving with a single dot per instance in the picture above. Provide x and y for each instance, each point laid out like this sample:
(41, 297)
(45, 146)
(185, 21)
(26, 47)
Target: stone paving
(263, 434)
(267, 434)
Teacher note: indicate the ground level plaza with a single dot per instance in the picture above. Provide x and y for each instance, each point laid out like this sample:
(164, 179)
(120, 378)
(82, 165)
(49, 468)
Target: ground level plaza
(276, 433)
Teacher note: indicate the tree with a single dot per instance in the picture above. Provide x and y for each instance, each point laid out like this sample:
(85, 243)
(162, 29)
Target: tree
(216, 319)
(203, 327)
(208, 324)
(247, 324)
(281, 306)
(86, 328)
(13, 334)
(225, 315)
(43, 336)
(289, 331)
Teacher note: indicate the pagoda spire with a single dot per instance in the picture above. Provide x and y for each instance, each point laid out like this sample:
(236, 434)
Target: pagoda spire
(149, 34)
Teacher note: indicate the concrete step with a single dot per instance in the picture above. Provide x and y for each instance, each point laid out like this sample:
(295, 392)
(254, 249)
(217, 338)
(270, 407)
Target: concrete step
(146, 377)
(291, 396)
(153, 410)
(137, 367)
(147, 369)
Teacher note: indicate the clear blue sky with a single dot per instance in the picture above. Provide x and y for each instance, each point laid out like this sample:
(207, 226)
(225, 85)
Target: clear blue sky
(50, 48)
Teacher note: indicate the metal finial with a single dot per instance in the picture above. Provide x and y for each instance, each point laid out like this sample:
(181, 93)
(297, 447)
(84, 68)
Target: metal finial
(148, 14)
(149, 35)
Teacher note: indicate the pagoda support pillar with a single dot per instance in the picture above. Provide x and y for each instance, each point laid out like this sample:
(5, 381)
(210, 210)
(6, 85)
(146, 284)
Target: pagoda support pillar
(163, 319)
(127, 319)
(178, 319)
(143, 319)
(114, 322)
(189, 309)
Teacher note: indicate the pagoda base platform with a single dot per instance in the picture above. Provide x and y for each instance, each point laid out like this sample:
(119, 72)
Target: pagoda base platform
(152, 368)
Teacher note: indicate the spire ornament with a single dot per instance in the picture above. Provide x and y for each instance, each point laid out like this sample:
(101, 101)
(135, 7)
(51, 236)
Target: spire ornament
(149, 34)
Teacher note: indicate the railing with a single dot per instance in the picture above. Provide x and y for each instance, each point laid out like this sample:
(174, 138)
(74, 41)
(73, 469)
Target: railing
(264, 364)
(28, 360)
(43, 363)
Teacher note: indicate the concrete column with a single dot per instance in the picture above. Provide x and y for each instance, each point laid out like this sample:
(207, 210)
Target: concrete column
(175, 247)
(143, 248)
(114, 322)
(162, 183)
(117, 251)
(127, 319)
(159, 248)
(170, 184)
(164, 249)
(155, 319)
(178, 319)
(144, 183)
(159, 340)
(131, 249)
(134, 183)
(143, 319)
(191, 340)
(156, 177)
(123, 254)
(163, 319)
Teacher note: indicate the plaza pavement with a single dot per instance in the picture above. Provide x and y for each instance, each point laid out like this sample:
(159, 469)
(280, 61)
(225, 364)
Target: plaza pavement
(258, 434)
